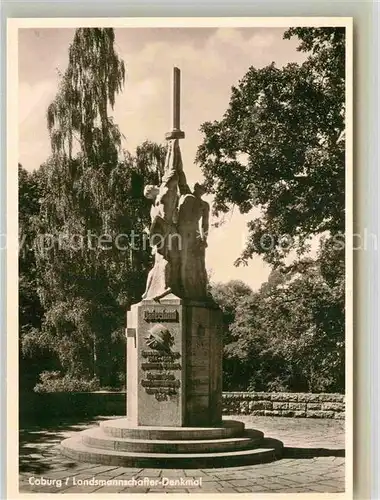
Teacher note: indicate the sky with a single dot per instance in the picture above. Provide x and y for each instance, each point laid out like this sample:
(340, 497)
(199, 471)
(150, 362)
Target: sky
(211, 61)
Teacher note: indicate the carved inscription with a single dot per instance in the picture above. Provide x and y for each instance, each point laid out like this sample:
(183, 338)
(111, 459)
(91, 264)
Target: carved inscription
(161, 383)
(160, 376)
(161, 366)
(163, 357)
(161, 315)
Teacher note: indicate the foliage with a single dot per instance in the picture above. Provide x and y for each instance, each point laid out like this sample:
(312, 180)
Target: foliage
(280, 147)
(88, 282)
(30, 308)
(228, 296)
(53, 381)
(90, 258)
(29, 305)
(289, 335)
(78, 116)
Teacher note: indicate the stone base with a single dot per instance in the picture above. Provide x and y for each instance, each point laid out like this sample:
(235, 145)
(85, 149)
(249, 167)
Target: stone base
(174, 363)
(118, 442)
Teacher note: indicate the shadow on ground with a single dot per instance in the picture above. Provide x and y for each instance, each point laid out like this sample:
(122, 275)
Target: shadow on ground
(290, 452)
(38, 442)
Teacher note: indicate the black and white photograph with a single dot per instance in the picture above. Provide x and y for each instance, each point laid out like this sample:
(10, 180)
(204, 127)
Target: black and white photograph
(184, 283)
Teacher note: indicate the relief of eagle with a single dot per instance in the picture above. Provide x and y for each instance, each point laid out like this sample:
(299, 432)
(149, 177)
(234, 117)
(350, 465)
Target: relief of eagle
(160, 339)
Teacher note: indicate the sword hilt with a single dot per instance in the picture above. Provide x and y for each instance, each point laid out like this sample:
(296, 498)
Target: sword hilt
(174, 134)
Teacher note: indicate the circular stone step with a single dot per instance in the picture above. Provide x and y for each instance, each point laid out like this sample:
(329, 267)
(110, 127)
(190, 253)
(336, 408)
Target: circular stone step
(121, 428)
(96, 438)
(75, 448)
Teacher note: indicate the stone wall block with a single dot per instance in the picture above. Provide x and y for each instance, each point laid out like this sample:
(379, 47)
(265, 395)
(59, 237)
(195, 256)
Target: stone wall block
(280, 406)
(339, 415)
(284, 396)
(297, 406)
(272, 413)
(336, 398)
(333, 406)
(262, 405)
(305, 397)
(314, 406)
(320, 414)
(300, 414)
(287, 413)
(264, 396)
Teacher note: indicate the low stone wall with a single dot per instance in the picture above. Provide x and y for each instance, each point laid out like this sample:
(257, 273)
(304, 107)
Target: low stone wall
(46, 405)
(90, 404)
(283, 404)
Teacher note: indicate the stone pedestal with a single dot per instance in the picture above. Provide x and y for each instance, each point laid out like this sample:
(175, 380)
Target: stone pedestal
(174, 363)
(174, 397)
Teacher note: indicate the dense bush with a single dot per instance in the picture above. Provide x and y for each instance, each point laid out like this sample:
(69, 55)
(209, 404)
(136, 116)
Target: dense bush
(54, 381)
(287, 336)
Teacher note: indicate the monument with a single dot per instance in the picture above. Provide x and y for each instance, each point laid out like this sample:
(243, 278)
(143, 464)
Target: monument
(174, 347)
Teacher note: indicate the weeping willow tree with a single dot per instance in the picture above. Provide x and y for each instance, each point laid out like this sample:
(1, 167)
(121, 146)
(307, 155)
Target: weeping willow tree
(79, 115)
(91, 205)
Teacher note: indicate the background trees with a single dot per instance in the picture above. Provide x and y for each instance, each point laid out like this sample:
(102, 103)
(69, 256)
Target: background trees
(30, 307)
(287, 336)
(280, 147)
(90, 203)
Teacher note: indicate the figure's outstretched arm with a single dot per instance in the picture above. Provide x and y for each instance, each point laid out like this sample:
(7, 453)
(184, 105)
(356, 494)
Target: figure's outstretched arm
(182, 181)
(174, 174)
(173, 154)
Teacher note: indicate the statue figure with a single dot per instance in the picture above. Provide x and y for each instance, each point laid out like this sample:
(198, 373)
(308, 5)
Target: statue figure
(164, 277)
(179, 224)
(178, 234)
(193, 226)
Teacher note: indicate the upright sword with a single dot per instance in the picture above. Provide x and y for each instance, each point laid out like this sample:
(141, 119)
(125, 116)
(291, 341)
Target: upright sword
(176, 132)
